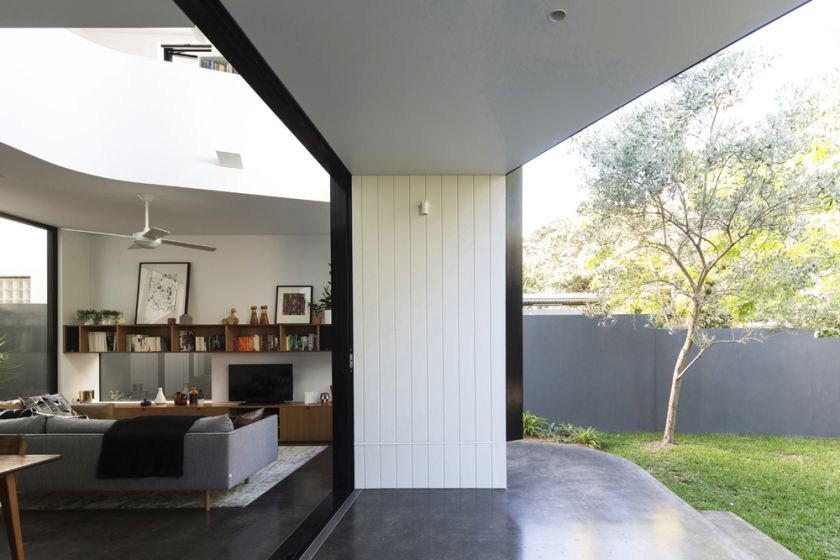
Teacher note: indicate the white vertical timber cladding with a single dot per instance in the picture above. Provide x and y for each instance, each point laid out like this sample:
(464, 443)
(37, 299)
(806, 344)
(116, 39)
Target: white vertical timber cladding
(498, 275)
(419, 350)
(429, 330)
(434, 332)
(402, 291)
(358, 338)
(370, 318)
(451, 378)
(387, 334)
(466, 327)
(483, 417)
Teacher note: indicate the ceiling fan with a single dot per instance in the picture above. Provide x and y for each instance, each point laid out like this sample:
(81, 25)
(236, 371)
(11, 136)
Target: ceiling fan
(150, 237)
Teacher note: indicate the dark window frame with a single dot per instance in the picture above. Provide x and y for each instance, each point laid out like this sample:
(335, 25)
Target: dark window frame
(219, 26)
(52, 296)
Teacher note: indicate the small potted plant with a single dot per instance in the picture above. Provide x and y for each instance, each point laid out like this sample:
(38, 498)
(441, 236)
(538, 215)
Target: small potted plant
(316, 309)
(109, 317)
(326, 300)
(88, 316)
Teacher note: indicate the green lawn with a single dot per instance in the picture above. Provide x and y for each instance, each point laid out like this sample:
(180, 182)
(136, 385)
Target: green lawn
(785, 486)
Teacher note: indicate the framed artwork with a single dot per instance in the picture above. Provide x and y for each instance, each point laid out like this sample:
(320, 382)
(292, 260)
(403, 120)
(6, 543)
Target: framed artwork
(162, 292)
(292, 304)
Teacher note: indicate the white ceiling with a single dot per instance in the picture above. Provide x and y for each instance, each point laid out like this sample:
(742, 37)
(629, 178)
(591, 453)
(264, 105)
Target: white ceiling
(451, 87)
(91, 13)
(484, 86)
(37, 190)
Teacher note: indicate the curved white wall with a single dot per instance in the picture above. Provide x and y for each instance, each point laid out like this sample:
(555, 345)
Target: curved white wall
(92, 109)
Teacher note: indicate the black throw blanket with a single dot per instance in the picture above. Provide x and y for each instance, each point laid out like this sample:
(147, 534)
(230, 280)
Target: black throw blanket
(144, 446)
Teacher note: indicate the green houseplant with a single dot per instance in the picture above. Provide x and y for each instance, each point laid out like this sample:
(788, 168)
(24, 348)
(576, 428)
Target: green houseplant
(88, 316)
(325, 303)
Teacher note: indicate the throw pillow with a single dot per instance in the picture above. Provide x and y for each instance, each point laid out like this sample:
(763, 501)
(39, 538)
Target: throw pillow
(211, 424)
(241, 420)
(31, 425)
(15, 413)
(48, 405)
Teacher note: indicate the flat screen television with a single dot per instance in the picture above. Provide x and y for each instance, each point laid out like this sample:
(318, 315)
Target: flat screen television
(260, 383)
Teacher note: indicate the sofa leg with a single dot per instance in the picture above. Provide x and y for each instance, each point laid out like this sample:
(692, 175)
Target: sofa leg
(247, 480)
(206, 496)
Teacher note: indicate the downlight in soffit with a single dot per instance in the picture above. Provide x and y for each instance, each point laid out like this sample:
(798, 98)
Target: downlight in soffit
(557, 16)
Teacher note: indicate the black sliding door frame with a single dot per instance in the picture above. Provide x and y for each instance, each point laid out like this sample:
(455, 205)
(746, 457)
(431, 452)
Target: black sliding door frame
(213, 19)
(52, 297)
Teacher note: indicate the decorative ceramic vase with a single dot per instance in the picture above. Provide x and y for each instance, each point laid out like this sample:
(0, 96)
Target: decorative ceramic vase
(328, 316)
(160, 398)
(254, 320)
(264, 315)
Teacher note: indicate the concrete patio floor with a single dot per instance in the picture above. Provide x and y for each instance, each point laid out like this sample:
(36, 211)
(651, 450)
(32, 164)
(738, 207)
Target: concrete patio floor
(562, 502)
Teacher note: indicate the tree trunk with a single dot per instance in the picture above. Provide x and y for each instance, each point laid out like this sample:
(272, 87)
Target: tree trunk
(676, 383)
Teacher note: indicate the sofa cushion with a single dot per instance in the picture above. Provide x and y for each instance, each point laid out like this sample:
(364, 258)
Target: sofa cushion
(246, 418)
(65, 425)
(31, 425)
(49, 405)
(211, 424)
(15, 413)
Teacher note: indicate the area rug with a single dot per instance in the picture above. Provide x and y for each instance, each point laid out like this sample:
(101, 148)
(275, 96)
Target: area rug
(289, 459)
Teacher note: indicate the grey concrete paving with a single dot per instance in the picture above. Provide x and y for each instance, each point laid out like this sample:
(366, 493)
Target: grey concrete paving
(562, 502)
(748, 538)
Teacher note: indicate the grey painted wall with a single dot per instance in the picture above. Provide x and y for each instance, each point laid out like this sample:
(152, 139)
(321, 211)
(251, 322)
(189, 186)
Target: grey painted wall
(617, 379)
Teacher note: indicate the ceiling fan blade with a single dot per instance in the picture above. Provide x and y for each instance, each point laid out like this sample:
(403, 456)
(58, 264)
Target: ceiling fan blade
(96, 232)
(155, 233)
(187, 245)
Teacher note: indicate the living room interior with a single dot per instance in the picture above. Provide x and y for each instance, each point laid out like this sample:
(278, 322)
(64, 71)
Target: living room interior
(152, 324)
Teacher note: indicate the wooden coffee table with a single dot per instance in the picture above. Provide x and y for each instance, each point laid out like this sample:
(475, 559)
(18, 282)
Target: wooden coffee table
(10, 465)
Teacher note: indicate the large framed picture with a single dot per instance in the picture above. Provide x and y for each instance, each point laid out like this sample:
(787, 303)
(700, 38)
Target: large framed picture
(162, 292)
(293, 304)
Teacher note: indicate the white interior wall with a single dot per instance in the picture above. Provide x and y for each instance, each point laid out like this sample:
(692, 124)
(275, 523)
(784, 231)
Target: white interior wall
(100, 272)
(429, 331)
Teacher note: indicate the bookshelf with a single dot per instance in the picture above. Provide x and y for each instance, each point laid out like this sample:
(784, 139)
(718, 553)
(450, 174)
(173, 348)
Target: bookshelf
(217, 63)
(302, 338)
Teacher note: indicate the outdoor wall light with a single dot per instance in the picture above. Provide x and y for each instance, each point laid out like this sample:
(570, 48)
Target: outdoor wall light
(423, 208)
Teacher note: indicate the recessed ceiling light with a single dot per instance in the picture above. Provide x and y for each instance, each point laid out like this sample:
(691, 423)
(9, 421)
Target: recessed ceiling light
(557, 16)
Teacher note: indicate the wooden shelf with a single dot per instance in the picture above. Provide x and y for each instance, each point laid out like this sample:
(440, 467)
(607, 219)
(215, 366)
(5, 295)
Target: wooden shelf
(76, 337)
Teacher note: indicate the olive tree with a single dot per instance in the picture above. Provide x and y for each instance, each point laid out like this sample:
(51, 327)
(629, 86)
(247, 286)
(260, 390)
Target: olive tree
(700, 216)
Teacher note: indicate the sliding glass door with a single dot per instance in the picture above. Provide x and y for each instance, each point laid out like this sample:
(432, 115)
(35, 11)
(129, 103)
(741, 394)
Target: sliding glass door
(27, 309)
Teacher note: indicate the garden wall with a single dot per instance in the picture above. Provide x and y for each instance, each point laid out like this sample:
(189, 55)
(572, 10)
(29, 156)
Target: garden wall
(617, 379)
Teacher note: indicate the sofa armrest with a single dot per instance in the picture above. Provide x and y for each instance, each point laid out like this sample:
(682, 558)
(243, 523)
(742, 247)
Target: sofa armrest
(252, 447)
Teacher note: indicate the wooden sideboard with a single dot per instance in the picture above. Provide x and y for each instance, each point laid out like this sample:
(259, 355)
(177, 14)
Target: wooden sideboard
(297, 421)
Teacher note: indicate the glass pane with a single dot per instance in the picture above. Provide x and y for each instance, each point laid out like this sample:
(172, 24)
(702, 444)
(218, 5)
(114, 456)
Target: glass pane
(137, 376)
(25, 370)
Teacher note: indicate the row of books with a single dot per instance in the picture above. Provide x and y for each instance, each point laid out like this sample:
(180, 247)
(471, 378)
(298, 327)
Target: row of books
(102, 342)
(256, 343)
(188, 342)
(144, 343)
(301, 342)
(218, 66)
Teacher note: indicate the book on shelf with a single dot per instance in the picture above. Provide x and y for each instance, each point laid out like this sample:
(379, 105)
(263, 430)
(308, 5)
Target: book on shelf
(211, 343)
(99, 341)
(256, 343)
(217, 66)
(187, 341)
(145, 343)
(301, 342)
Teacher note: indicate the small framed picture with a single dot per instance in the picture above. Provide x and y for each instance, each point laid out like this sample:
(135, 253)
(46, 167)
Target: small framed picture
(162, 292)
(293, 304)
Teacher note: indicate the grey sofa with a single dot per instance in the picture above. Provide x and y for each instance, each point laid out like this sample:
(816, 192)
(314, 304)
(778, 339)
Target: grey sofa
(212, 460)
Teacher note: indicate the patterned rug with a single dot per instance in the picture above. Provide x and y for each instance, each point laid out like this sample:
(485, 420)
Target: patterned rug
(289, 459)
